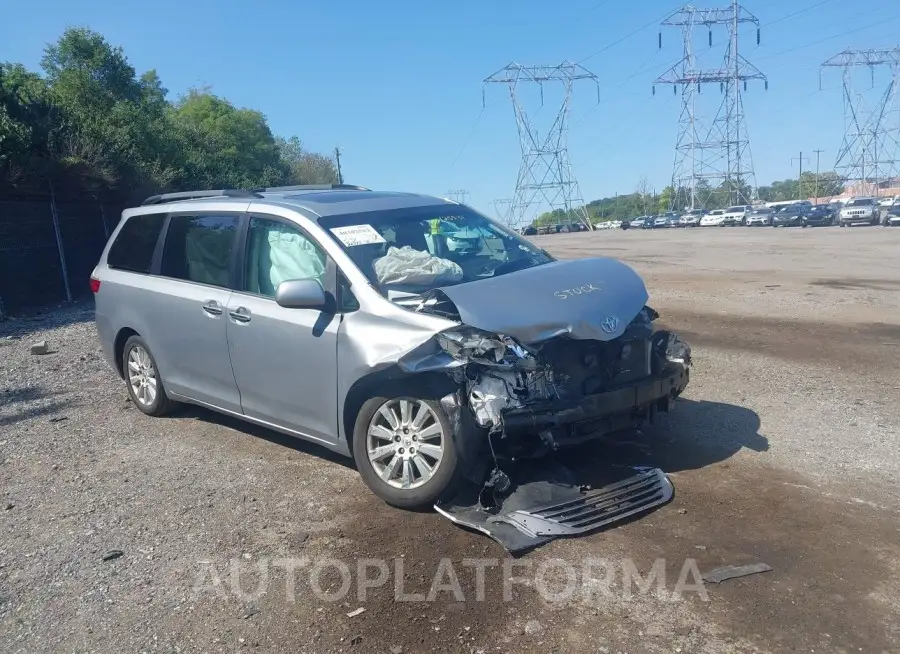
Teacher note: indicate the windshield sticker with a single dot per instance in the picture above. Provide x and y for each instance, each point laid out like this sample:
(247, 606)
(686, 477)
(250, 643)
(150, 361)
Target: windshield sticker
(357, 235)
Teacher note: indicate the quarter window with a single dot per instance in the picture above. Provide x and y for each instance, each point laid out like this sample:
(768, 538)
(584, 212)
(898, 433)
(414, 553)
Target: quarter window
(277, 252)
(198, 248)
(134, 246)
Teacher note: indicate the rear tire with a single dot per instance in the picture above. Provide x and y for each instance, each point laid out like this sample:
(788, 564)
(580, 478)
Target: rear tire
(405, 450)
(142, 378)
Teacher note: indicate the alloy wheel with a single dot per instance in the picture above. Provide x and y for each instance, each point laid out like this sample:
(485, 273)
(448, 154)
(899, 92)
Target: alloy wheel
(142, 376)
(405, 443)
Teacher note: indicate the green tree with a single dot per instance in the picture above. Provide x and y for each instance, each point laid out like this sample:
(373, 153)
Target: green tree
(92, 123)
(225, 146)
(305, 167)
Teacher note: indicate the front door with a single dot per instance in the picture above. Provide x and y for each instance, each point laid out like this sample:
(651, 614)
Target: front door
(284, 360)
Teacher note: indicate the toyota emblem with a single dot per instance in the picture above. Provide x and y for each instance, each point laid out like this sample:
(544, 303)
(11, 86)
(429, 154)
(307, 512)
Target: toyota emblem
(609, 324)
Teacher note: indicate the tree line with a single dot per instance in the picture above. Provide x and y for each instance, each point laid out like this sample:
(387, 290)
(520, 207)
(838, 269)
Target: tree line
(646, 201)
(87, 122)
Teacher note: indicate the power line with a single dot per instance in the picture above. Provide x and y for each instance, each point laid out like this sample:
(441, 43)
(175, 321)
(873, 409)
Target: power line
(842, 34)
(796, 13)
(468, 138)
(653, 22)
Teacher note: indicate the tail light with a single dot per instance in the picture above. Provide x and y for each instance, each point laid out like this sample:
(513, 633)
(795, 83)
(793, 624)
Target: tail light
(95, 284)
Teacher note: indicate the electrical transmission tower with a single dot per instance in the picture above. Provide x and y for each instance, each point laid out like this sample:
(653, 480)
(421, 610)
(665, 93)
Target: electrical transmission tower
(712, 157)
(870, 151)
(503, 209)
(545, 173)
(459, 195)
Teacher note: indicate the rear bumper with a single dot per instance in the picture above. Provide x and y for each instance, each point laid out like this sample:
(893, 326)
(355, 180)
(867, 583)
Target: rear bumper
(636, 401)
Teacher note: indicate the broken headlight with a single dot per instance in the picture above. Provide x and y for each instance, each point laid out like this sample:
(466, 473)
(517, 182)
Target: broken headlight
(473, 345)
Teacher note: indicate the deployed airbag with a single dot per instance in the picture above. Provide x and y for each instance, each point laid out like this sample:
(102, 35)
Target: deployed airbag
(407, 265)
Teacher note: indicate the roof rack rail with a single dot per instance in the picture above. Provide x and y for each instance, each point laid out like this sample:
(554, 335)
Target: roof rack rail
(312, 187)
(194, 195)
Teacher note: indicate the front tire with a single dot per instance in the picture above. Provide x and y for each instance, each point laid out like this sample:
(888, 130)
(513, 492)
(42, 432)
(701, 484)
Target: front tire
(145, 386)
(405, 450)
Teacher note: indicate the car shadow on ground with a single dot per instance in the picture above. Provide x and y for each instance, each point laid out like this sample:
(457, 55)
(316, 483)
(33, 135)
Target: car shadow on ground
(698, 433)
(27, 322)
(189, 411)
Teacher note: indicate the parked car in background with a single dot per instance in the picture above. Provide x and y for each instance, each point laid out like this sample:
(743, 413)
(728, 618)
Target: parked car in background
(892, 216)
(661, 221)
(793, 215)
(531, 230)
(860, 211)
(691, 218)
(715, 218)
(639, 222)
(736, 215)
(820, 216)
(759, 217)
(889, 201)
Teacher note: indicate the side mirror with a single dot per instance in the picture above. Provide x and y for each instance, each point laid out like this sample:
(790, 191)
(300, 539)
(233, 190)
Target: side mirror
(300, 294)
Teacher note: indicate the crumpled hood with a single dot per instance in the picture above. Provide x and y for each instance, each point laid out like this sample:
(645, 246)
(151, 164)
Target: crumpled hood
(593, 298)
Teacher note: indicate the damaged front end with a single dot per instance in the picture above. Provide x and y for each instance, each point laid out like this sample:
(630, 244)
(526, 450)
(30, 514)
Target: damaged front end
(528, 400)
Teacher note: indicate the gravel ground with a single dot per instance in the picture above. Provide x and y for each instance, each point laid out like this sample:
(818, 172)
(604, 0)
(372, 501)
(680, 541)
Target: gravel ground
(784, 450)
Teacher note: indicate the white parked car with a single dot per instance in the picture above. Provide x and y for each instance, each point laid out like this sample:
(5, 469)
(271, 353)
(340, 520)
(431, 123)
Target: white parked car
(859, 211)
(761, 216)
(715, 218)
(736, 215)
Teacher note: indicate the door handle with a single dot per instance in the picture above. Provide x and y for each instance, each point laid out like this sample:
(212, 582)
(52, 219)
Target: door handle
(241, 314)
(212, 307)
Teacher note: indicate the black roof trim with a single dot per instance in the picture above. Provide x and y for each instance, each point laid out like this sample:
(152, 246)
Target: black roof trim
(194, 195)
(312, 187)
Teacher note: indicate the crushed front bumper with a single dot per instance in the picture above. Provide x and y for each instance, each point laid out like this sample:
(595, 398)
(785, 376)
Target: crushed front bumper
(632, 401)
(552, 501)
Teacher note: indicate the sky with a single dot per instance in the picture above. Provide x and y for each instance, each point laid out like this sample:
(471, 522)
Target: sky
(397, 85)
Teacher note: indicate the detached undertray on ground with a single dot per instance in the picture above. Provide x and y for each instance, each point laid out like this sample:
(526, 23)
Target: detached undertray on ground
(549, 500)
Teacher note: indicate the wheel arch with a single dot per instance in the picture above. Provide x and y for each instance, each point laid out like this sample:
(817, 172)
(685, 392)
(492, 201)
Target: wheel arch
(387, 382)
(122, 337)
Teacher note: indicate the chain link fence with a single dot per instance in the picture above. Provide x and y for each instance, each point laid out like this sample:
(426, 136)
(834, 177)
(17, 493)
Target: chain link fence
(48, 249)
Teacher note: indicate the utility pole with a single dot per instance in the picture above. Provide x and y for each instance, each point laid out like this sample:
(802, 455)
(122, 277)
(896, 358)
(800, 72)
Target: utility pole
(545, 172)
(818, 153)
(717, 150)
(460, 196)
(800, 178)
(337, 158)
(871, 145)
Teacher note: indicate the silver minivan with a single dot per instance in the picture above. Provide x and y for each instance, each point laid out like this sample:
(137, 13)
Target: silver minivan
(413, 333)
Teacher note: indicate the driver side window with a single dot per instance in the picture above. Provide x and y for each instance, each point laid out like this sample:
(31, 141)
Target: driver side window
(277, 252)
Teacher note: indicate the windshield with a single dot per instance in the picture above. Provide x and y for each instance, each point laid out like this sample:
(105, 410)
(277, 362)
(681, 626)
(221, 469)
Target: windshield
(735, 209)
(860, 203)
(427, 247)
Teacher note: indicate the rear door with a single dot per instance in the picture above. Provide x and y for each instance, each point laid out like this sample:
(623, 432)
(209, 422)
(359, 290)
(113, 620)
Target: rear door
(284, 360)
(187, 311)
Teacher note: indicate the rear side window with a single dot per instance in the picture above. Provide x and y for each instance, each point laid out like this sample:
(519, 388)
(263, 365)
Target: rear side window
(198, 248)
(133, 248)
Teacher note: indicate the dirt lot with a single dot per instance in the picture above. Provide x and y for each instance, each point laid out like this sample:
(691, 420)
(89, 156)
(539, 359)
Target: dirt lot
(784, 450)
